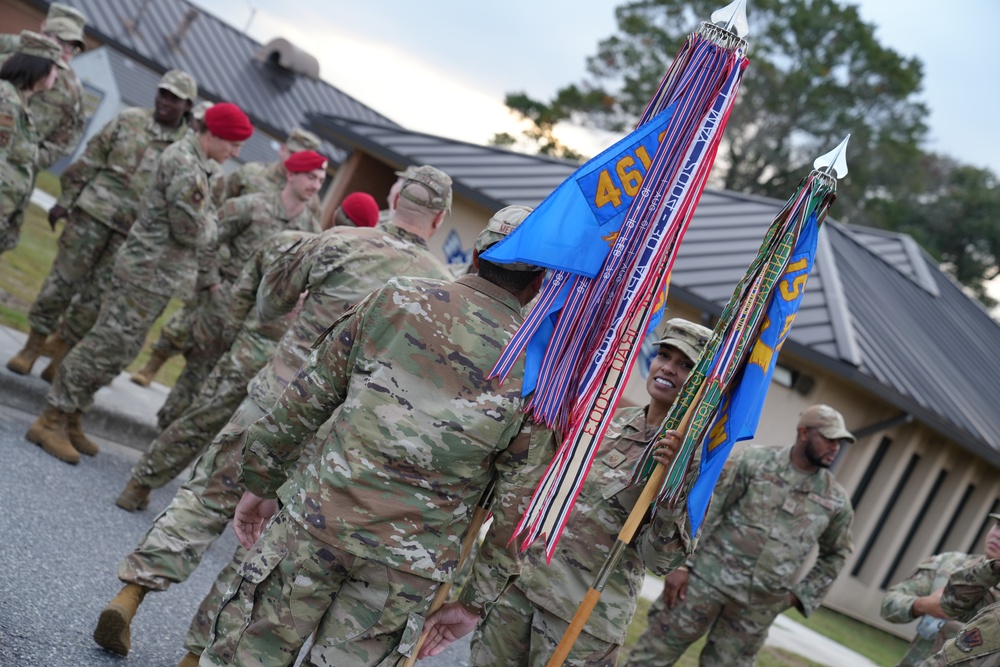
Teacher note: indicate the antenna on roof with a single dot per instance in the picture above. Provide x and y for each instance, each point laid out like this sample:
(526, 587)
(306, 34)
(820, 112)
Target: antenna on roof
(132, 24)
(174, 40)
(253, 13)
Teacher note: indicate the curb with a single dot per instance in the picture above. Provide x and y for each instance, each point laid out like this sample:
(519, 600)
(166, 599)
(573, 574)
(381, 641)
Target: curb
(123, 412)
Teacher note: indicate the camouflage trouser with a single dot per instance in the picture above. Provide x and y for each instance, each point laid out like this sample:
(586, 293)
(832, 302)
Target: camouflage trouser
(84, 259)
(977, 645)
(175, 336)
(185, 438)
(198, 366)
(736, 632)
(292, 584)
(127, 314)
(518, 634)
(197, 515)
(10, 228)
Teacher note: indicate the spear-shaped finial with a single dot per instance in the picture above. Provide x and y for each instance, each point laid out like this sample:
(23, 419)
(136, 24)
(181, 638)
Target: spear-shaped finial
(834, 162)
(734, 17)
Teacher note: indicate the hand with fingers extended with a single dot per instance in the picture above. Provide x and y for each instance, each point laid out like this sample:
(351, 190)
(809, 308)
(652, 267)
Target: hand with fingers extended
(675, 587)
(452, 621)
(252, 513)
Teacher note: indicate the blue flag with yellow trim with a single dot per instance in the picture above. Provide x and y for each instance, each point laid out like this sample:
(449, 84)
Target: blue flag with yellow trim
(574, 228)
(741, 407)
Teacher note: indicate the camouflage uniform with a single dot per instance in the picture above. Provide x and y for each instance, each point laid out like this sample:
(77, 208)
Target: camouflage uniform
(897, 605)
(338, 268)
(57, 113)
(18, 163)
(765, 518)
(108, 177)
(533, 614)
(157, 261)
(972, 594)
(224, 388)
(377, 516)
(243, 223)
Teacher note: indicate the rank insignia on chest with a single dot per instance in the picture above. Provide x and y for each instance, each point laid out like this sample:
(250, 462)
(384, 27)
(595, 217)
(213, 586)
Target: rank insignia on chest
(968, 640)
(614, 459)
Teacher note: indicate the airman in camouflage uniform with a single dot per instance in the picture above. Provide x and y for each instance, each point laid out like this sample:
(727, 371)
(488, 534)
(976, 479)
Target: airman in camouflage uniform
(31, 70)
(98, 191)
(371, 525)
(254, 177)
(58, 112)
(919, 596)
(158, 260)
(770, 508)
(973, 595)
(244, 222)
(339, 267)
(525, 626)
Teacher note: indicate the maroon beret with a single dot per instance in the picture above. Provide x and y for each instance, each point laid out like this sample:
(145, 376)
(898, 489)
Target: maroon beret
(361, 208)
(227, 121)
(300, 161)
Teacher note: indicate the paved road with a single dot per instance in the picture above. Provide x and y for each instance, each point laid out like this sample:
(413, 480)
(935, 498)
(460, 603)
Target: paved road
(62, 540)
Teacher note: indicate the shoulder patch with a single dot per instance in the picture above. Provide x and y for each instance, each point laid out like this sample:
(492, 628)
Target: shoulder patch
(7, 121)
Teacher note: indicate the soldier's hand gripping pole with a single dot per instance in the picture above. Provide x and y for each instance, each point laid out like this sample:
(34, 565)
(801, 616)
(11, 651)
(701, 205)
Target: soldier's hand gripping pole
(479, 516)
(625, 536)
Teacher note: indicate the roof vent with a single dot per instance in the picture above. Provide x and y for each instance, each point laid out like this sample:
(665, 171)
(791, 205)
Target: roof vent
(284, 54)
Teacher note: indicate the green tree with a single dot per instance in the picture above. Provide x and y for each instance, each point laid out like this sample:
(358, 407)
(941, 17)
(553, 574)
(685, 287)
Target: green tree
(817, 72)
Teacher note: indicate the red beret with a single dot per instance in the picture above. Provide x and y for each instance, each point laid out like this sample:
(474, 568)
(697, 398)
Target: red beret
(361, 208)
(300, 161)
(227, 121)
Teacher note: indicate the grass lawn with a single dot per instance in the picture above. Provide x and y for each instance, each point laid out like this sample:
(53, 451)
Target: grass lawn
(23, 270)
(879, 647)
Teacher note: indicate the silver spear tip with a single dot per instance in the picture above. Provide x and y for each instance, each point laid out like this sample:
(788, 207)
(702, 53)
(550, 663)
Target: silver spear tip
(835, 161)
(733, 17)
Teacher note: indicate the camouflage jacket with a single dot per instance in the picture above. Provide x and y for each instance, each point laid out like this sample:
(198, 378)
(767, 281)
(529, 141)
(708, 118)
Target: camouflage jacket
(263, 177)
(970, 590)
(113, 170)
(176, 221)
(339, 267)
(57, 112)
(598, 515)
(18, 151)
(930, 575)
(764, 519)
(419, 433)
(246, 221)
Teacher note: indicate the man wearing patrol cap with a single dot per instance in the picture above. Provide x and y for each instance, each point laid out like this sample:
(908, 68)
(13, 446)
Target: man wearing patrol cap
(919, 597)
(159, 259)
(524, 627)
(419, 433)
(175, 336)
(336, 269)
(58, 112)
(770, 508)
(99, 199)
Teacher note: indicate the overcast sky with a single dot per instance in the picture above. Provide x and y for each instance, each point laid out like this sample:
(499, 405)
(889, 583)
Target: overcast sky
(443, 66)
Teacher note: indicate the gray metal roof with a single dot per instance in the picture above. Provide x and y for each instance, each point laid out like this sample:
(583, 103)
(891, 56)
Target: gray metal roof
(877, 310)
(137, 85)
(220, 58)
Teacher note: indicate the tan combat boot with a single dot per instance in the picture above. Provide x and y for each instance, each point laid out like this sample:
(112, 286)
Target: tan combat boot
(79, 439)
(49, 431)
(46, 350)
(144, 376)
(22, 362)
(113, 630)
(134, 497)
(190, 660)
(59, 348)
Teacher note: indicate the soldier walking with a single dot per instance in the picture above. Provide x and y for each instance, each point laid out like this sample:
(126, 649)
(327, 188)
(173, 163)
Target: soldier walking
(96, 191)
(158, 260)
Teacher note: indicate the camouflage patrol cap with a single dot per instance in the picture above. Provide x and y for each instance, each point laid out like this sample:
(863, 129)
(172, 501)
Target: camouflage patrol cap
(198, 110)
(500, 225)
(406, 173)
(66, 23)
(435, 192)
(181, 84)
(827, 421)
(40, 46)
(302, 140)
(688, 337)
